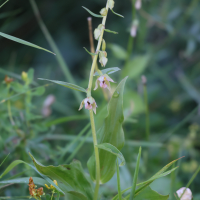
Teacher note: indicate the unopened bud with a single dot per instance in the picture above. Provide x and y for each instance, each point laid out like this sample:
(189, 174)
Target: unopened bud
(138, 4)
(98, 31)
(134, 27)
(111, 4)
(103, 45)
(103, 12)
(24, 76)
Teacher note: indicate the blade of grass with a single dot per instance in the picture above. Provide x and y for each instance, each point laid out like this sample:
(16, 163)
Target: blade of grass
(51, 42)
(136, 175)
(190, 181)
(3, 3)
(173, 179)
(4, 159)
(118, 182)
(66, 119)
(23, 42)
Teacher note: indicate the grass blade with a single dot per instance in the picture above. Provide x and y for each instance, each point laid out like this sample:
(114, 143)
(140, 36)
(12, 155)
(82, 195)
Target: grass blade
(3, 3)
(191, 180)
(136, 175)
(23, 42)
(4, 159)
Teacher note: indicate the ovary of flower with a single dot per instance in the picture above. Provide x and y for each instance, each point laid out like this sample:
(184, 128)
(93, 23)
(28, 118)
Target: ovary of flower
(103, 81)
(138, 4)
(187, 194)
(89, 103)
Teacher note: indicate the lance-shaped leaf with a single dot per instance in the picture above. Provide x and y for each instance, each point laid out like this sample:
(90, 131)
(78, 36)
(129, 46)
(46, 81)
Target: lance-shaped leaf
(109, 31)
(110, 132)
(112, 149)
(92, 54)
(108, 71)
(71, 178)
(23, 42)
(36, 180)
(65, 84)
(93, 14)
(117, 13)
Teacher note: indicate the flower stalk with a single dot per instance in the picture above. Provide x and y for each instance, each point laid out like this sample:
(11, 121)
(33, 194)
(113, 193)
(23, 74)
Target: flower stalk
(96, 151)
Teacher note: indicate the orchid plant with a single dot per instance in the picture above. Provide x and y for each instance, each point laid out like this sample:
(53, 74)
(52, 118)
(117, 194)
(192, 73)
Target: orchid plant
(70, 180)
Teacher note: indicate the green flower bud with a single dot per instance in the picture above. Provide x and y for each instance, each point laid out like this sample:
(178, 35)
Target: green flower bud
(103, 12)
(103, 45)
(24, 76)
(98, 31)
(103, 58)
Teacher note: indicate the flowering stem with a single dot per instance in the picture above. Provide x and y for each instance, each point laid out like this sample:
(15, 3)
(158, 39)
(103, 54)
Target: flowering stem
(96, 151)
(96, 56)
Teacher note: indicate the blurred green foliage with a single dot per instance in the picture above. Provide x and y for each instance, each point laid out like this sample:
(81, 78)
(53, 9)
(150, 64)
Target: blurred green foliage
(166, 50)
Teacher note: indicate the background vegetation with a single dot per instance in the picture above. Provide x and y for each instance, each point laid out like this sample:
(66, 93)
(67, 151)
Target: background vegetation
(166, 50)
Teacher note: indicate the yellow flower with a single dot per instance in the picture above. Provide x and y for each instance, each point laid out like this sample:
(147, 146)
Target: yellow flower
(51, 186)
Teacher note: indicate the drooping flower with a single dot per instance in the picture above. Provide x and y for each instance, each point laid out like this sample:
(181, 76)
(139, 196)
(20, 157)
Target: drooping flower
(103, 58)
(98, 31)
(187, 194)
(138, 4)
(103, 81)
(89, 103)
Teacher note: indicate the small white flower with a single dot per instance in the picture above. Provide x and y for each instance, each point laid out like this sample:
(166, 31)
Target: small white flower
(103, 81)
(89, 103)
(138, 4)
(187, 194)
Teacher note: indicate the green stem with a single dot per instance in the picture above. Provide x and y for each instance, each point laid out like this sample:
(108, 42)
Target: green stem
(146, 113)
(10, 113)
(51, 42)
(118, 182)
(96, 152)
